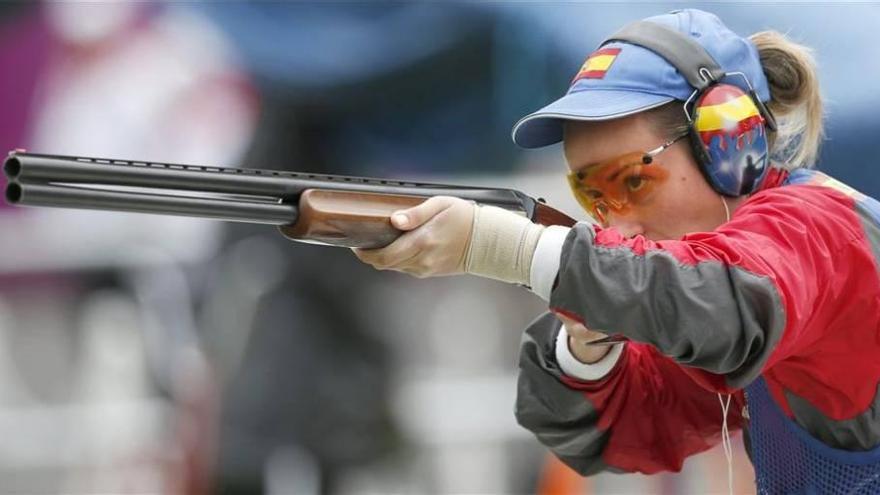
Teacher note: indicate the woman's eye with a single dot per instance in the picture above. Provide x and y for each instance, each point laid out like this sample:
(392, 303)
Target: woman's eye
(635, 182)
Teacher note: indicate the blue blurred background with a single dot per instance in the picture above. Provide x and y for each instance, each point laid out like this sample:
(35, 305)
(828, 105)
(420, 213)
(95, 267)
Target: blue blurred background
(158, 354)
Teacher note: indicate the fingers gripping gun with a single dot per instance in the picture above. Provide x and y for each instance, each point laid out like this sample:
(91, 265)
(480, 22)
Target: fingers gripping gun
(325, 209)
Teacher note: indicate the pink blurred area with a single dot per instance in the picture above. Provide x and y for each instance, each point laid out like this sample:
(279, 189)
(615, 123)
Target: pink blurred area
(119, 80)
(123, 79)
(77, 405)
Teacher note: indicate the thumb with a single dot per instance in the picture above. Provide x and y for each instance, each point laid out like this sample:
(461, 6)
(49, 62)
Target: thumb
(412, 218)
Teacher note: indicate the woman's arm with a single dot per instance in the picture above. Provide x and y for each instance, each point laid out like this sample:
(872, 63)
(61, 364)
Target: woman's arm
(645, 415)
(727, 304)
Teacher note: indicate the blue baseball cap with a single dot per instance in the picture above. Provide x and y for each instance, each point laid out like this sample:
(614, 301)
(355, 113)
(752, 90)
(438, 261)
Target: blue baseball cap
(621, 79)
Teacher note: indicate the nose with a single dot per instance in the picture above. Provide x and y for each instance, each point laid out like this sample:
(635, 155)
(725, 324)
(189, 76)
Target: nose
(627, 224)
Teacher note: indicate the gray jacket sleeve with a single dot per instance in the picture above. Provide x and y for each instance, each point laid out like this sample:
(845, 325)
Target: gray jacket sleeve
(703, 313)
(561, 418)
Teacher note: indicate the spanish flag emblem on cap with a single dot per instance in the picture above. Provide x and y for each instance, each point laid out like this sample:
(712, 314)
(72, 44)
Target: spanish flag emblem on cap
(597, 64)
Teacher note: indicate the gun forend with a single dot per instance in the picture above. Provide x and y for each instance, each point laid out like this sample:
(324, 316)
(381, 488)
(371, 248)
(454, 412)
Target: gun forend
(350, 219)
(356, 219)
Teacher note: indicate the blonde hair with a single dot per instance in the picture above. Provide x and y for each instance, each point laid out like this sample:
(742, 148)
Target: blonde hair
(795, 101)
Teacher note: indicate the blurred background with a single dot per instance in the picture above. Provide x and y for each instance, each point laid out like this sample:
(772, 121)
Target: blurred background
(147, 354)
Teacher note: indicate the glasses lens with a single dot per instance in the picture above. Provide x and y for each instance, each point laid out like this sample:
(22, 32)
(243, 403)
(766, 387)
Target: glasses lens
(617, 185)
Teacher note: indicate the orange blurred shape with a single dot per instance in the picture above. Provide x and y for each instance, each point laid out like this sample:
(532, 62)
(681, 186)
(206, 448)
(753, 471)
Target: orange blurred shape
(558, 479)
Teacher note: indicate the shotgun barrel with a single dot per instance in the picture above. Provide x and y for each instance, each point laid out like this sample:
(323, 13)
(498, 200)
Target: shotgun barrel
(36, 168)
(98, 199)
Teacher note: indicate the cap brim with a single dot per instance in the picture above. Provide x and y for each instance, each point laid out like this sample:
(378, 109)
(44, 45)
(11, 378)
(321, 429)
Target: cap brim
(544, 127)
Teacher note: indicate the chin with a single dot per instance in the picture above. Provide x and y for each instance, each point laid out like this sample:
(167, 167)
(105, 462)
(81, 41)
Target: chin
(664, 236)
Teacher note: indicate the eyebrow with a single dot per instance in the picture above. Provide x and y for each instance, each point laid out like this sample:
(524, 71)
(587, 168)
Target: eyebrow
(584, 167)
(616, 174)
(593, 164)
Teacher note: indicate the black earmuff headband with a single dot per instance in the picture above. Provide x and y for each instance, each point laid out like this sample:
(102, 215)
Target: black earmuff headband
(697, 66)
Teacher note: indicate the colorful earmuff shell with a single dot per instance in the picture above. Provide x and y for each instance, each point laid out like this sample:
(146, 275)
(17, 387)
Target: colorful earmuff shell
(729, 138)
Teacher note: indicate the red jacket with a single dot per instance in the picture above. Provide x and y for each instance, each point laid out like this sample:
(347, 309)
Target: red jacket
(788, 289)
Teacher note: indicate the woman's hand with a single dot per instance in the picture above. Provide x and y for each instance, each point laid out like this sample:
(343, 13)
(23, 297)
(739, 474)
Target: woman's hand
(435, 242)
(578, 336)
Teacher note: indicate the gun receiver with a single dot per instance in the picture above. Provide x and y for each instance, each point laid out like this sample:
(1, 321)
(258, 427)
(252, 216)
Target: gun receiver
(326, 209)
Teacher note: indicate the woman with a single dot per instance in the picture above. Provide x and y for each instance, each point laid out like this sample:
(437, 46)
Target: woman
(744, 285)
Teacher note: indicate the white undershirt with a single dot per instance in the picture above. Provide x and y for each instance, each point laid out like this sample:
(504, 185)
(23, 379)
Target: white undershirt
(545, 261)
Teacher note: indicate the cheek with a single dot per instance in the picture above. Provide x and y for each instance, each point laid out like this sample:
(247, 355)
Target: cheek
(674, 197)
(685, 204)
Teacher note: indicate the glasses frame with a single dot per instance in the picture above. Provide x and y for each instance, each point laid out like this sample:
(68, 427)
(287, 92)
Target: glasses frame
(648, 157)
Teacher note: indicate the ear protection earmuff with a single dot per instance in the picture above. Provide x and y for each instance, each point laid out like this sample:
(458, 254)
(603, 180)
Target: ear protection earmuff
(727, 125)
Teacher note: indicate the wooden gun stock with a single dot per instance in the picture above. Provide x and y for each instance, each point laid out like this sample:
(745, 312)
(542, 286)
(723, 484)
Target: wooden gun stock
(363, 220)
(547, 215)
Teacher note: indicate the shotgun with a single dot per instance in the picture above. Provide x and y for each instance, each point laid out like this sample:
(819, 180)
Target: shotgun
(325, 209)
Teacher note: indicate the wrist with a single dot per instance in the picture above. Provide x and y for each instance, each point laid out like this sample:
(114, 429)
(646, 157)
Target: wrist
(574, 368)
(587, 354)
(502, 245)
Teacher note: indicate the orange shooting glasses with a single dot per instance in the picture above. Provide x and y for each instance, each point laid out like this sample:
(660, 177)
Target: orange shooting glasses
(620, 184)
